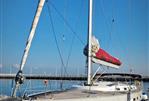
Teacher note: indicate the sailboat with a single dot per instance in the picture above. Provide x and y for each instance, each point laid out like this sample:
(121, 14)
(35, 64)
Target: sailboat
(91, 90)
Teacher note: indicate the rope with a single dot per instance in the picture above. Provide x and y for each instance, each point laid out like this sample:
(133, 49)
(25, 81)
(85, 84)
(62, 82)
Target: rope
(66, 22)
(55, 38)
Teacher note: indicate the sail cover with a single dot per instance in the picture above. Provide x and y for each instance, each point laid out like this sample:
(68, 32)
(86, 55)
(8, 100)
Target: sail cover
(100, 56)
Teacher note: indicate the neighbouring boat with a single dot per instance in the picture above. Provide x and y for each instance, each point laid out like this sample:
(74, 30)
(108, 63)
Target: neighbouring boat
(94, 89)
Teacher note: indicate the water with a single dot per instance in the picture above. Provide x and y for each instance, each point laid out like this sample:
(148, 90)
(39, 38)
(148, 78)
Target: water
(39, 86)
(145, 86)
(34, 86)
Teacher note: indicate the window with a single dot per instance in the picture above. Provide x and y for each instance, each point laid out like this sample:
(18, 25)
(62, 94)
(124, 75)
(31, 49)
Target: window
(125, 88)
(134, 99)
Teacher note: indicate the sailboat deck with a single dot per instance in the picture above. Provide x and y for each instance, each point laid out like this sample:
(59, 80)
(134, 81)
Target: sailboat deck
(76, 94)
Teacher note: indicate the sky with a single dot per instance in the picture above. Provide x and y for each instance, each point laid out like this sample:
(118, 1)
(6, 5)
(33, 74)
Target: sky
(120, 25)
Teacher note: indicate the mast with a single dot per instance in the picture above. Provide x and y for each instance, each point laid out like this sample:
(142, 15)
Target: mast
(89, 64)
(19, 77)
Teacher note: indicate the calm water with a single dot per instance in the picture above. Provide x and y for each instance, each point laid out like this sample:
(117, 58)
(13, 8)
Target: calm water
(146, 86)
(38, 86)
(34, 86)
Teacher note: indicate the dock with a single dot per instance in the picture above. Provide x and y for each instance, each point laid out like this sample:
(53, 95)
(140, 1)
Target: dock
(72, 77)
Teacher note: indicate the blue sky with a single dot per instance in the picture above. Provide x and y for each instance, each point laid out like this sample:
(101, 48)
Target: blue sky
(127, 37)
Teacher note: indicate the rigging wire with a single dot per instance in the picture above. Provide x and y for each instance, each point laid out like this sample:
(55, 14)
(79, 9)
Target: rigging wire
(71, 44)
(1, 31)
(104, 16)
(66, 22)
(112, 20)
(12, 85)
(65, 5)
(74, 35)
(110, 23)
(111, 26)
(25, 90)
(55, 38)
(129, 29)
(70, 51)
(73, 38)
(124, 49)
(63, 36)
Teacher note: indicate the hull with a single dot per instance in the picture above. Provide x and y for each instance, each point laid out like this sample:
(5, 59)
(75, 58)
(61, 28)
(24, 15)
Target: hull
(123, 97)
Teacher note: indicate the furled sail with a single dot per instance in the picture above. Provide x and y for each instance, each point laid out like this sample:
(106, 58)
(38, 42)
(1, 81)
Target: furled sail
(100, 56)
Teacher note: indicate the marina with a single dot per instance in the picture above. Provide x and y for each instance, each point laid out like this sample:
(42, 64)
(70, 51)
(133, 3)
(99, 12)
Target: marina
(99, 70)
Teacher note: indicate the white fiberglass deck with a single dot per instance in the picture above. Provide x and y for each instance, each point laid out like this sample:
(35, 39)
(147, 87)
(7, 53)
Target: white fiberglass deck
(85, 95)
